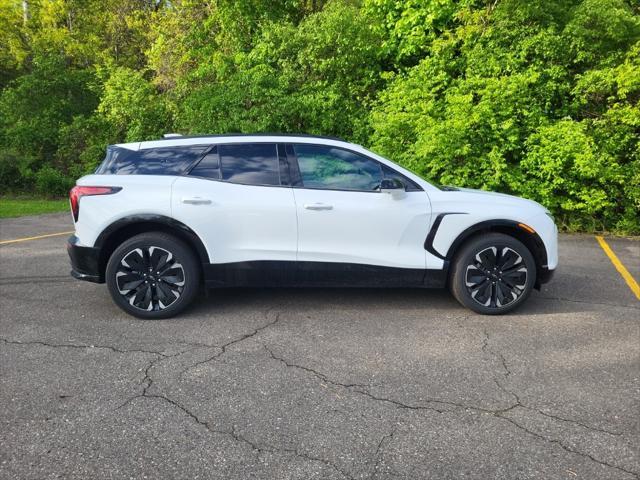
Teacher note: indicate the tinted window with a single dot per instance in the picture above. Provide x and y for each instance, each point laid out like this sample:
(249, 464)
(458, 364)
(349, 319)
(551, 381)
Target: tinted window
(150, 161)
(333, 168)
(410, 185)
(250, 163)
(209, 166)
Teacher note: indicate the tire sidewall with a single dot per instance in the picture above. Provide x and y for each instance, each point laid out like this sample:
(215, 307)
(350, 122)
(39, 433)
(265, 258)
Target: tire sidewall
(467, 254)
(179, 250)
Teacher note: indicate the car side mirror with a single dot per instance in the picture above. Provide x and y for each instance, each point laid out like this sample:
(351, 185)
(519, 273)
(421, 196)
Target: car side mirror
(392, 186)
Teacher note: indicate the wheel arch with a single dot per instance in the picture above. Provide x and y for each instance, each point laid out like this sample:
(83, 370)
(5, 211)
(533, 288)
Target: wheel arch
(514, 229)
(125, 228)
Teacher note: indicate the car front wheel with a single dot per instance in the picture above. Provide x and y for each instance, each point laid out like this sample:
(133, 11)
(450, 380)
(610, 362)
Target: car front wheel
(153, 275)
(493, 274)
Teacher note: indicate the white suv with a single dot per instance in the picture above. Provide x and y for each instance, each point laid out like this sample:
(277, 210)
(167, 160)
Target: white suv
(159, 218)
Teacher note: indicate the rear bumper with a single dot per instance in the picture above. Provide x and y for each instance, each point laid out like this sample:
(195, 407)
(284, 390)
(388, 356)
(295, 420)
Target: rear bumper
(85, 261)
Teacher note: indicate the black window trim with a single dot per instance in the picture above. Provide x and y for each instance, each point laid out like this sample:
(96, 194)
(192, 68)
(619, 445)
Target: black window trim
(293, 158)
(194, 164)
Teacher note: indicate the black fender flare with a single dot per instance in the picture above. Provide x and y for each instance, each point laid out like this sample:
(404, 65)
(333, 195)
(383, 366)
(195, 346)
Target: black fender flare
(531, 239)
(146, 222)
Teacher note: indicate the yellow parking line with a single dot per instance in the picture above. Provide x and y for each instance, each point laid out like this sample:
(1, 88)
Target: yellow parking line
(26, 239)
(633, 285)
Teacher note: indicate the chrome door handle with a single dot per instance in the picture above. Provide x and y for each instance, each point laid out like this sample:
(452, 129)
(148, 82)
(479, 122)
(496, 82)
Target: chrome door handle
(196, 201)
(318, 206)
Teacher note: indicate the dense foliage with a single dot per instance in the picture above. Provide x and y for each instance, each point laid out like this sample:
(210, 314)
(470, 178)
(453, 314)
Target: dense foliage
(540, 98)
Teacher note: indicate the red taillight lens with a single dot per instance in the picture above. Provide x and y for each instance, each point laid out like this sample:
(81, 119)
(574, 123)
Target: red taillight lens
(77, 192)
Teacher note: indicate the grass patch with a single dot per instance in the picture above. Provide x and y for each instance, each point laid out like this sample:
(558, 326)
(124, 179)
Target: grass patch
(18, 207)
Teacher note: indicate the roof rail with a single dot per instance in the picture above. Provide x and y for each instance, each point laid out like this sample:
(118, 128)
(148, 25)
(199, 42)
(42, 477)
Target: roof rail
(168, 136)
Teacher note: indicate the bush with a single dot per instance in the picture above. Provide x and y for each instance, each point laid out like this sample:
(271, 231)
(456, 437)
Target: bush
(52, 183)
(82, 145)
(530, 98)
(539, 98)
(34, 108)
(11, 178)
(319, 77)
(133, 107)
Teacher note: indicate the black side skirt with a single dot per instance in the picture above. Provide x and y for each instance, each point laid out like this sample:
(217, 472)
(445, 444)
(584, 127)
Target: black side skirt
(318, 274)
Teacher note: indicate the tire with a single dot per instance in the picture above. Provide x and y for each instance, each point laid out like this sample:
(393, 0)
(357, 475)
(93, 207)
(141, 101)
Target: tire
(153, 293)
(480, 281)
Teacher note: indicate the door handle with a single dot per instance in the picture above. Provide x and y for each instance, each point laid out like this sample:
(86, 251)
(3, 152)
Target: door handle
(318, 206)
(196, 201)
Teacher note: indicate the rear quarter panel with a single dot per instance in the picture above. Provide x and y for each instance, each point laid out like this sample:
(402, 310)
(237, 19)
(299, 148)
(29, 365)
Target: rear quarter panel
(140, 194)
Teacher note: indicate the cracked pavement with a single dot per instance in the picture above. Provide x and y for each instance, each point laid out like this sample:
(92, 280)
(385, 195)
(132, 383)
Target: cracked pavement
(317, 383)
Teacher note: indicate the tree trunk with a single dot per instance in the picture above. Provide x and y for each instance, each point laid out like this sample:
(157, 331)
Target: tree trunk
(25, 11)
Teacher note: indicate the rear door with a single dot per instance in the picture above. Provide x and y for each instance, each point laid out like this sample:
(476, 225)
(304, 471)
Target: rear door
(238, 200)
(344, 218)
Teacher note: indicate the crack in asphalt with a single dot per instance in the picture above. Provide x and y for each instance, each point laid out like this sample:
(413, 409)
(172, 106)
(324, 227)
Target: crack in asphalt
(567, 448)
(233, 433)
(379, 454)
(507, 372)
(575, 422)
(147, 382)
(362, 389)
(562, 299)
(294, 451)
(321, 376)
(519, 404)
(499, 413)
(80, 346)
(223, 348)
(485, 348)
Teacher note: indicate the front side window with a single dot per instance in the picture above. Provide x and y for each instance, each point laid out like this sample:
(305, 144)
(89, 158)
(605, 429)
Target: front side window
(333, 168)
(409, 185)
(250, 163)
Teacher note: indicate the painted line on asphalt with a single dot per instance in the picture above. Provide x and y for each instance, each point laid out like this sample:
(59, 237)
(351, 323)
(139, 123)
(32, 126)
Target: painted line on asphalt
(633, 285)
(26, 239)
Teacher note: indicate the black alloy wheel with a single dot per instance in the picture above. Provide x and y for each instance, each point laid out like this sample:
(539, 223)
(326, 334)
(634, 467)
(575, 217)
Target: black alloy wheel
(492, 273)
(153, 275)
(496, 277)
(150, 278)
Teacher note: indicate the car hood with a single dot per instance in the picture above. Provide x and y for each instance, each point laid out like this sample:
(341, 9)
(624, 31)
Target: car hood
(507, 199)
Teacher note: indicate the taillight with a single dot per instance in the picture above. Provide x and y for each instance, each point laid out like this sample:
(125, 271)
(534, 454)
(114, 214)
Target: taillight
(77, 192)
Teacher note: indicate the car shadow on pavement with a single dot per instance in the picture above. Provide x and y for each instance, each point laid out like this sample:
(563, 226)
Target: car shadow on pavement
(433, 302)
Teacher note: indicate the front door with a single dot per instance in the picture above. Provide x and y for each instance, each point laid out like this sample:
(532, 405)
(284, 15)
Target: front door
(345, 220)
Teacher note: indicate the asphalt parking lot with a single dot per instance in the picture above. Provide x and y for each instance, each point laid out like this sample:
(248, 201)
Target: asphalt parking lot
(306, 384)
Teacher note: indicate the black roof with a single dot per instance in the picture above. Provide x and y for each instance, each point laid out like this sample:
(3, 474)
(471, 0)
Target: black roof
(265, 134)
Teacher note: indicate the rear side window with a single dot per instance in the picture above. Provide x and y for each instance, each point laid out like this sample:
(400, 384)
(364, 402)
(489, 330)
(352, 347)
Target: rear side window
(149, 161)
(250, 163)
(209, 166)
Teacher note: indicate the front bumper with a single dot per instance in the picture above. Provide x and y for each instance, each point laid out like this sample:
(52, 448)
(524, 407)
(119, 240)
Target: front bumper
(85, 261)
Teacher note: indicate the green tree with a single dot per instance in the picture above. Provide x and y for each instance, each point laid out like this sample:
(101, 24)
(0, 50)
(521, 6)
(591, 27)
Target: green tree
(132, 105)
(319, 76)
(518, 96)
(35, 106)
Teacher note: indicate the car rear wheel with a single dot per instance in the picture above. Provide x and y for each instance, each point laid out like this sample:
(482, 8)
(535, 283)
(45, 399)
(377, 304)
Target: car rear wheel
(153, 275)
(493, 274)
